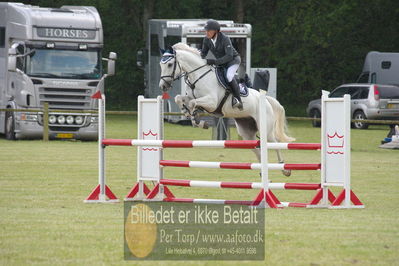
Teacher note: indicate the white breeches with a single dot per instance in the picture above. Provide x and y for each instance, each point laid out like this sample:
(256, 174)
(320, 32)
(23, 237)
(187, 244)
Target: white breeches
(231, 71)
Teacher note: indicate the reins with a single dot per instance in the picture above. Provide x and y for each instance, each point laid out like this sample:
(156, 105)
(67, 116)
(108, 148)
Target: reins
(183, 74)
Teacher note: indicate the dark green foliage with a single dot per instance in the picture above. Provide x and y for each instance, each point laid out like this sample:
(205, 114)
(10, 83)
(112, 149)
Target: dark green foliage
(319, 44)
(314, 44)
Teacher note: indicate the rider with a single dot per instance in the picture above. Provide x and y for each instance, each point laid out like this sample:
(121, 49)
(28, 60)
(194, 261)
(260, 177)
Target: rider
(226, 56)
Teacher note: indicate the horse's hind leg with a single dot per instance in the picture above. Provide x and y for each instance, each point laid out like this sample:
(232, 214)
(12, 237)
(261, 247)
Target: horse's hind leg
(281, 160)
(247, 129)
(280, 157)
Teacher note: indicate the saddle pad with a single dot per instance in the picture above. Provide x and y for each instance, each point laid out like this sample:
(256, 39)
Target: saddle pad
(221, 77)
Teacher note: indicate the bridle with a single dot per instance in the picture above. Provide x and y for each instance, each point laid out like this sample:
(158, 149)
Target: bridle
(166, 57)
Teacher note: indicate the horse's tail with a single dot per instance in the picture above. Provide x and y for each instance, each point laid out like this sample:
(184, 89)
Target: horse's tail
(280, 126)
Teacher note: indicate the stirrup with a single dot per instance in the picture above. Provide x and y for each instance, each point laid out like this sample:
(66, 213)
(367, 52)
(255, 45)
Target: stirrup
(237, 104)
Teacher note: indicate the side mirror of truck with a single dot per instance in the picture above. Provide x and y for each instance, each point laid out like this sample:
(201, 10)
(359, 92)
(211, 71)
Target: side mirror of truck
(141, 56)
(12, 59)
(111, 63)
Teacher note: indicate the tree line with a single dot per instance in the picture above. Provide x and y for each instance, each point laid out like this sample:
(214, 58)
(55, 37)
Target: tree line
(314, 44)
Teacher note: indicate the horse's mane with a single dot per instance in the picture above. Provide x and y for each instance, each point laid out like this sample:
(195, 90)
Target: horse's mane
(185, 47)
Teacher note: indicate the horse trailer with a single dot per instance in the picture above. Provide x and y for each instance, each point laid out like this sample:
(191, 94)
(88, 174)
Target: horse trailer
(381, 68)
(166, 32)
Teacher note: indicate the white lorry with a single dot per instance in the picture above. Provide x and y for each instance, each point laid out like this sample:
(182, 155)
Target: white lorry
(54, 56)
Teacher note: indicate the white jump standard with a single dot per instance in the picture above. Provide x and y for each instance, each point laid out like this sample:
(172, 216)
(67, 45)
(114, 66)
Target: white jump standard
(334, 166)
(101, 193)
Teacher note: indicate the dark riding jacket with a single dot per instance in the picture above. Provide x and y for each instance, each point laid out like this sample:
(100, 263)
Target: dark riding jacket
(223, 50)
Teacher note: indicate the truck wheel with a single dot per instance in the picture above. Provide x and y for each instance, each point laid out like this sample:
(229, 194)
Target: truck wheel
(315, 114)
(359, 115)
(10, 126)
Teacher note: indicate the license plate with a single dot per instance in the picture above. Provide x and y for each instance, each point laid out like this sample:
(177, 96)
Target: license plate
(393, 105)
(64, 136)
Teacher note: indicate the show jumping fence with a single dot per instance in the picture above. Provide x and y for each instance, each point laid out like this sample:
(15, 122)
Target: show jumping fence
(334, 166)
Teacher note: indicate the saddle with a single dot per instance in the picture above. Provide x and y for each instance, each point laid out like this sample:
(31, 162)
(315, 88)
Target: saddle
(221, 77)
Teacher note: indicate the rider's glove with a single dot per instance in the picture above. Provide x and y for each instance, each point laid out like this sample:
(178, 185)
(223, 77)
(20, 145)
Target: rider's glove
(210, 61)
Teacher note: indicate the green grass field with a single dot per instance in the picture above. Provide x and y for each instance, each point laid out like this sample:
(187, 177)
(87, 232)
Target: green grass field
(43, 219)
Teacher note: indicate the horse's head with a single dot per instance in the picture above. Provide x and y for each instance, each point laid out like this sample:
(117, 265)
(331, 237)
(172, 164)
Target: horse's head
(170, 69)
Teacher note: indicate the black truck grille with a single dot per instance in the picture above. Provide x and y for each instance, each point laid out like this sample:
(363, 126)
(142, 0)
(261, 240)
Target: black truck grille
(65, 98)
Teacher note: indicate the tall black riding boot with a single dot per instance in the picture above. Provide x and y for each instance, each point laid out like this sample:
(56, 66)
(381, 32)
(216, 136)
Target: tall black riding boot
(236, 100)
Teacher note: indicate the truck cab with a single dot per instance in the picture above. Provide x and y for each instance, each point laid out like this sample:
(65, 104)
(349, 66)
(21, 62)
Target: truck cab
(54, 56)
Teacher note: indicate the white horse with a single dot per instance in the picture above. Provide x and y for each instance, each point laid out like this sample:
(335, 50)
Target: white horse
(206, 94)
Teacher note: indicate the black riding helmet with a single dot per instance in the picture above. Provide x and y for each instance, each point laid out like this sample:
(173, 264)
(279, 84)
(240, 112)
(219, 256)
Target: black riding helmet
(212, 25)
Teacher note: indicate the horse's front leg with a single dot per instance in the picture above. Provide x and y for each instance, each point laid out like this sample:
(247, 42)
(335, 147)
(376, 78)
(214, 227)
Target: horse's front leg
(207, 103)
(183, 102)
(187, 107)
(197, 107)
(196, 122)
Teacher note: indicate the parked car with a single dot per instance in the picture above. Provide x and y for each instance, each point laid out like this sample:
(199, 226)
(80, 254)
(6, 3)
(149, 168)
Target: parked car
(368, 101)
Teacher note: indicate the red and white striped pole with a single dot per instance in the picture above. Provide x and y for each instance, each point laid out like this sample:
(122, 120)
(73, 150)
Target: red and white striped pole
(239, 185)
(242, 166)
(230, 144)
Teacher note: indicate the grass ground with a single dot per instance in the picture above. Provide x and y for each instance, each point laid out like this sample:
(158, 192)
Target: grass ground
(43, 219)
